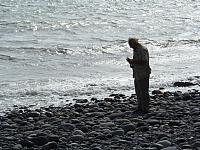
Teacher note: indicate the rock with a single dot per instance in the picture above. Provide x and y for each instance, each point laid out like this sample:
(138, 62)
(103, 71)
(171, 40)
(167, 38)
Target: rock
(187, 96)
(109, 99)
(183, 84)
(196, 144)
(140, 124)
(174, 123)
(10, 138)
(81, 100)
(143, 129)
(49, 114)
(130, 133)
(24, 123)
(50, 146)
(119, 132)
(54, 138)
(197, 124)
(101, 136)
(40, 140)
(113, 95)
(77, 138)
(157, 92)
(33, 114)
(170, 148)
(26, 143)
(85, 128)
(180, 140)
(107, 131)
(78, 132)
(99, 114)
(67, 126)
(165, 143)
(152, 121)
(93, 99)
(116, 115)
(17, 147)
(96, 148)
(107, 124)
(158, 146)
(128, 127)
(122, 121)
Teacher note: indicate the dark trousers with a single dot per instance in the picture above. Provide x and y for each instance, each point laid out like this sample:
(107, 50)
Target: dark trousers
(142, 92)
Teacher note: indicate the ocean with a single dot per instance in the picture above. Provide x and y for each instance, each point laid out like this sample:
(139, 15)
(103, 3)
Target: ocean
(52, 51)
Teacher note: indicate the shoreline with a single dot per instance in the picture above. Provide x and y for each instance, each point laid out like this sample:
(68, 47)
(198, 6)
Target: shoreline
(173, 123)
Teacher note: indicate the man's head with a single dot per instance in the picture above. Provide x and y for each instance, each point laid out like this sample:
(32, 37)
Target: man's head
(133, 42)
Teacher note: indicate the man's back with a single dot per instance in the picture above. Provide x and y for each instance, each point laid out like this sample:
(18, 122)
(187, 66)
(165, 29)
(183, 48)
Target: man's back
(141, 71)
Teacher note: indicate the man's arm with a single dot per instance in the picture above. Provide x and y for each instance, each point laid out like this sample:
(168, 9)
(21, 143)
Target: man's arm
(137, 62)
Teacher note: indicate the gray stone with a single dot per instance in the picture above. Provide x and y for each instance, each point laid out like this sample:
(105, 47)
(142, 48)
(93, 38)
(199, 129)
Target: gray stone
(77, 138)
(107, 124)
(49, 114)
(26, 143)
(165, 143)
(17, 147)
(180, 140)
(158, 146)
(67, 126)
(155, 92)
(50, 146)
(52, 138)
(187, 96)
(96, 148)
(81, 100)
(10, 138)
(106, 131)
(33, 114)
(130, 133)
(122, 121)
(40, 140)
(183, 84)
(197, 124)
(78, 132)
(153, 121)
(170, 148)
(119, 132)
(196, 144)
(128, 127)
(116, 115)
(143, 129)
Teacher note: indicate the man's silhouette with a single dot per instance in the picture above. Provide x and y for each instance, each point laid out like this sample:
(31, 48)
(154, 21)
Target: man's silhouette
(141, 73)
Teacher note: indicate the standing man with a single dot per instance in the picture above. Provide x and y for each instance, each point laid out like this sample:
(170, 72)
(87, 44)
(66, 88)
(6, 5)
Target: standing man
(141, 73)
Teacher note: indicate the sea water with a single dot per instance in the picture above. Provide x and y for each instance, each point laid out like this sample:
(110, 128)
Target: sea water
(52, 51)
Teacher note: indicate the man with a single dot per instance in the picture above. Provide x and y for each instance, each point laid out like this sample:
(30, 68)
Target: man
(141, 73)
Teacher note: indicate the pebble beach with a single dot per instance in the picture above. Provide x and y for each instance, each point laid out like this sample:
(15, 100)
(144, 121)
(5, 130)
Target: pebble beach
(173, 123)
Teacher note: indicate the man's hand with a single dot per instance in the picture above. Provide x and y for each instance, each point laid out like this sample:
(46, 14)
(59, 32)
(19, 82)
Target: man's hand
(128, 59)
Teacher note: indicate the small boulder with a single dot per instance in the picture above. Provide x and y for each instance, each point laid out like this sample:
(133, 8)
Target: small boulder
(50, 146)
(156, 92)
(26, 143)
(40, 140)
(116, 115)
(119, 132)
(17, 147)
(165, 143)
(33, 114)
(81, 101)
(78, 132)
(170, 148)
(183, 84)
(77, 138)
